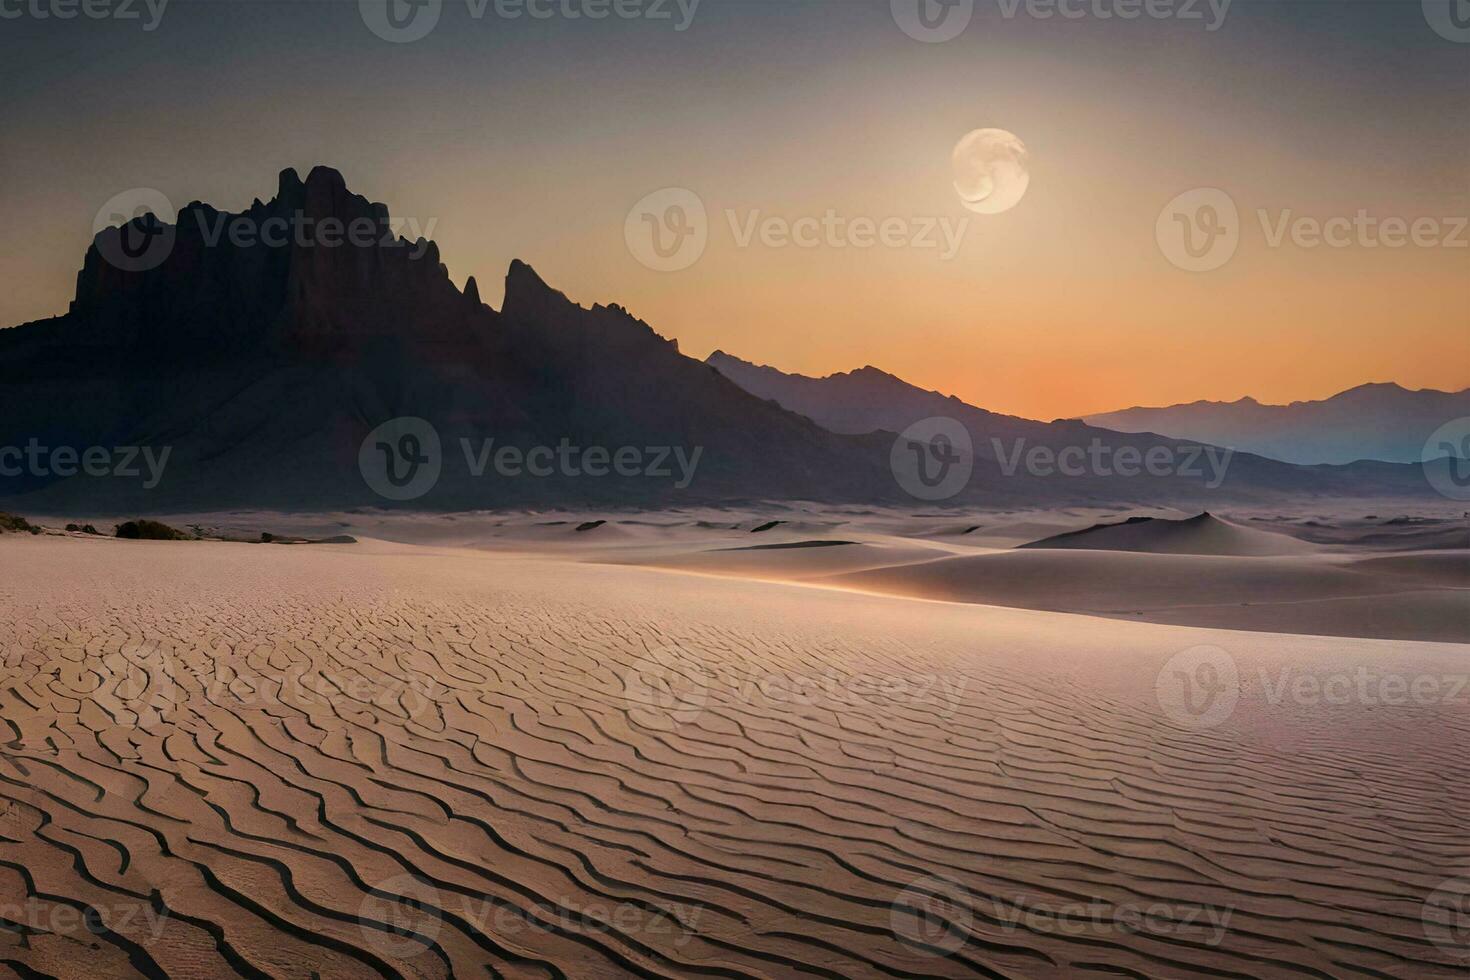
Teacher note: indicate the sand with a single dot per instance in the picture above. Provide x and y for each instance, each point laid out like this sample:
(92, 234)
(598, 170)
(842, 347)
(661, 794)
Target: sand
(419, 760)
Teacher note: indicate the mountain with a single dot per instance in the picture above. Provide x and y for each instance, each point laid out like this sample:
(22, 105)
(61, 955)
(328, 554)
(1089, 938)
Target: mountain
(308, 371)
(1372, 421)
(869, 400)
(263, 368)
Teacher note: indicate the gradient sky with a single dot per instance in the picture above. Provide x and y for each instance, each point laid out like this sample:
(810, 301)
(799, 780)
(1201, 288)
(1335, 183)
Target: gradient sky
(533, 139)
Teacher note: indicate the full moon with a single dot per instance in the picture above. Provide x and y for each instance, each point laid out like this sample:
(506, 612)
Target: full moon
(990, 172)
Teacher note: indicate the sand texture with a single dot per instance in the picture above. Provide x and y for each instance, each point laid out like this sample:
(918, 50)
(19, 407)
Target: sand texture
(418, 761)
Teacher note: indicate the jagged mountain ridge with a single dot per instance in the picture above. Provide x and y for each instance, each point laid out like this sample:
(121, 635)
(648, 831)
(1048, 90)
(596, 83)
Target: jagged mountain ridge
(263, 367)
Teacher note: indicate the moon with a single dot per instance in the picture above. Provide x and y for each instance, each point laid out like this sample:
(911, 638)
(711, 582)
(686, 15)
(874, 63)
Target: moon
(990, 172)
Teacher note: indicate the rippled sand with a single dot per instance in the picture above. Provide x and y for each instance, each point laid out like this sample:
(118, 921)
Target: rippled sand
(224, 759)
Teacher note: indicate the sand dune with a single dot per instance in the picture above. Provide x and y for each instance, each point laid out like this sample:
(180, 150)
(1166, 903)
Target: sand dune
(796, 560)
(1411, 597)
(1201, 535)
(408, 762)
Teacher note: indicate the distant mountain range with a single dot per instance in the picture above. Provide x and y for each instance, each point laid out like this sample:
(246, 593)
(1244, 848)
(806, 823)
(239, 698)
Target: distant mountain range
(1373, 421)
(870, 400)
(268, 369)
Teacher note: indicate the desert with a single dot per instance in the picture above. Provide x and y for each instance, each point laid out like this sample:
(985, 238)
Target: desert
(501, 745)
(865, 490)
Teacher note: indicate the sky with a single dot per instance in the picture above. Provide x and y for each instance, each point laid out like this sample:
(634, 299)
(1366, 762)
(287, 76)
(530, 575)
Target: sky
(797, 124)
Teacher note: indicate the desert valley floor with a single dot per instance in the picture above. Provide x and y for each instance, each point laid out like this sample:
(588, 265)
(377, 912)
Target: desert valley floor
(529, 750)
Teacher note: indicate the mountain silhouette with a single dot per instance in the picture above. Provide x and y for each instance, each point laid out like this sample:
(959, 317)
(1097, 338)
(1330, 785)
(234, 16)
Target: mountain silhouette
(264, 364)
(1372, 421)
(869, 399)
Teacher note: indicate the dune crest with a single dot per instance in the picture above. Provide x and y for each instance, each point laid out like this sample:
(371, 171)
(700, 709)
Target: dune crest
(1205, 534)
